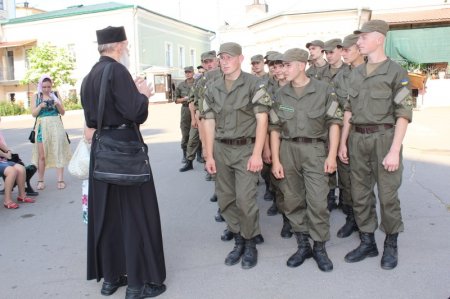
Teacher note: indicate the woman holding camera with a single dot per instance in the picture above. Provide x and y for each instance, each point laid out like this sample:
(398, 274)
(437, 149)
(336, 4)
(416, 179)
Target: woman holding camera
(51, 149)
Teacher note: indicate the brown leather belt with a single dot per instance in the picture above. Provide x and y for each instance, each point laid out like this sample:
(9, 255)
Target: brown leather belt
(373, 128)
(239, 141)
(306, 140)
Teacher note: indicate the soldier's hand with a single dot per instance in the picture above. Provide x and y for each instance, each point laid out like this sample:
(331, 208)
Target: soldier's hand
(210, 166)
(391, 162)
(194, 123)
(278, 171)
(267, 156)
(255, 163)
(330, 165)
(343, 153)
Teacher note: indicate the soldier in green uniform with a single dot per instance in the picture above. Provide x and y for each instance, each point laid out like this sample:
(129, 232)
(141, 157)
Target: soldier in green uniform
(276, 60)
(257, 62)
(375, 121)
(319, 64)
(333, 53)
(268, 79)
(352, 58)
(306, 111)
(194, 146)
(235, 130)
(181, 97)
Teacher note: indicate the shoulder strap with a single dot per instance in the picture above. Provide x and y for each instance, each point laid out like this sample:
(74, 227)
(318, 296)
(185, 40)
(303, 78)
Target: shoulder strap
(101, 100)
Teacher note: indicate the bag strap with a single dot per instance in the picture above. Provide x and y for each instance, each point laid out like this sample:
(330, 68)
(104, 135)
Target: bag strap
(34, 126)
(101, 103)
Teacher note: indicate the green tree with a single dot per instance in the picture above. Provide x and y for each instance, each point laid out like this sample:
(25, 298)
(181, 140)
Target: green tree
(53, 61)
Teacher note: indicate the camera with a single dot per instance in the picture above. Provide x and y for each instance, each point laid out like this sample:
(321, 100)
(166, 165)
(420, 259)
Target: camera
(50, 103)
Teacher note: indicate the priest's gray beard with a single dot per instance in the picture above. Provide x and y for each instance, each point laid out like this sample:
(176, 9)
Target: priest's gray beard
(125, 59)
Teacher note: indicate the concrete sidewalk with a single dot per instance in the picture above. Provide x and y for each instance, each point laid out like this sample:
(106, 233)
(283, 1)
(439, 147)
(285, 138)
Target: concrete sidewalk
(43, 245)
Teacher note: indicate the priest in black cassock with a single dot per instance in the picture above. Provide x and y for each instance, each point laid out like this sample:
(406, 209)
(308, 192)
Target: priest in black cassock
(125, 244)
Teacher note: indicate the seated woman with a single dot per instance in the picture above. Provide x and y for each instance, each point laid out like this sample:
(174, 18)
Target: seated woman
(14, 174)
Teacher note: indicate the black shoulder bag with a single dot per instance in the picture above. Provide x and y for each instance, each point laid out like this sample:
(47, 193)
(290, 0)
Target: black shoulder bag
(118, 162)
(32, 136)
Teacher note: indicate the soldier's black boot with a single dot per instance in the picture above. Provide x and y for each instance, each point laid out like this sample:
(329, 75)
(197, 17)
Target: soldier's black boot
(331, 199)
(389, 259)
(250, 256)
(259, 239)
(268, 195)
(213, 198)
(321, 257)
(227, 235)
(273, 210)
(303, 252)
(187, 166)
(286, 230)
(367, 248)
(235, 255)
(218, 217)
(184, 157)
(350, 224)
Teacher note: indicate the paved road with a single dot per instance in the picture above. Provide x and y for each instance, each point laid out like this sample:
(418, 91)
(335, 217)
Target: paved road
(43, 245)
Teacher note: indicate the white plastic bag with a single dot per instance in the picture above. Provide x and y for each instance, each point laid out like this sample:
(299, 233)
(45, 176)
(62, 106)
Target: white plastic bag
(79, 164)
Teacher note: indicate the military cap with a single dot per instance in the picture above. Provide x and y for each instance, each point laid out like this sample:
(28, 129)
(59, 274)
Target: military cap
(230, 48)
(316, 42)
(111, 35)
(349, 40)
(257, 58)
(269, 53)
(275, 57)
(295, 54)
(208, 55)
(329, 45)
(189, 69)
(374, 25)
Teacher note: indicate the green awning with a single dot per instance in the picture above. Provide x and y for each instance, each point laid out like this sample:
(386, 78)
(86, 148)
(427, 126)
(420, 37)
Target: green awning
(426, 45)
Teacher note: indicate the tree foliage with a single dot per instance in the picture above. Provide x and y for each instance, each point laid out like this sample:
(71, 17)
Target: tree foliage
(53, 61)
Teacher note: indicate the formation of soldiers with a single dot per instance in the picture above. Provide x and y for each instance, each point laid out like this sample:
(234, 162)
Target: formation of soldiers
(331, 117)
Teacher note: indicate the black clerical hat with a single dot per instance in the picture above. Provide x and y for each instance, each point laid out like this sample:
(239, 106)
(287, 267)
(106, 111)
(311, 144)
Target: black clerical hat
(111, 35)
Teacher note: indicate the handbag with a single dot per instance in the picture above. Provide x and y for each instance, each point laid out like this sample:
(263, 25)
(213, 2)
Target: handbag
(32, 136)
(124, 163)
(79, 163)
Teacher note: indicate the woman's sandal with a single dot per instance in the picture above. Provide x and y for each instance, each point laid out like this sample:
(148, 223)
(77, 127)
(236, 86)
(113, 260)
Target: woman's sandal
(61, 185)
(25, 199)
(40, 185)
(11, 205)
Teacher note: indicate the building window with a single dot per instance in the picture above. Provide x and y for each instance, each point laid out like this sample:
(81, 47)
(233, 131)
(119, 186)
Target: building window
(169, 54)
(181, 57)
(193, 57)
(1, 4)
(10, 65)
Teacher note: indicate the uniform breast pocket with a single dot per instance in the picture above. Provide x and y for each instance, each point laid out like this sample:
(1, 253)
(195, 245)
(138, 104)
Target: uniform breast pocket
(342, 96)
(380, 102)
(244, 114)
(287, 120)
(355, 103)
(316, 120)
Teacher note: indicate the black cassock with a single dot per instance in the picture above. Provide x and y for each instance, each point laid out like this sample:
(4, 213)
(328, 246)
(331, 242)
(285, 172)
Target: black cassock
(124, 229)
